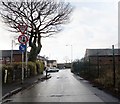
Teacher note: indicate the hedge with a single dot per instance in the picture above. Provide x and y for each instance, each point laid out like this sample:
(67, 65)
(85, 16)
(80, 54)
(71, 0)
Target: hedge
(11, 73)
(40, 66)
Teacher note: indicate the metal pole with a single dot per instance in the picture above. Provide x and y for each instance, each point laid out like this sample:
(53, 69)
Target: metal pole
(26, 50)
(98, 63)
(12, 61)
(71, 55)
(27, 46)
(113, 66)
(26, 60)
(22, 67)
(12, 52)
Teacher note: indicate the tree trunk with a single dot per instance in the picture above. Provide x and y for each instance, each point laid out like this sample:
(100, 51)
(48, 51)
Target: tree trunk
(33, 54)
(35, 50)
(35, 44)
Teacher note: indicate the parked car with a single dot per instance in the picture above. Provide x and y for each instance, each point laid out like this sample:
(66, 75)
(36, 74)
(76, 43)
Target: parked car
(52, 70)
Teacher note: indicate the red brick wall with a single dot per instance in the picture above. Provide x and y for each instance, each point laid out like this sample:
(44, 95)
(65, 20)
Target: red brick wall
(17, 58)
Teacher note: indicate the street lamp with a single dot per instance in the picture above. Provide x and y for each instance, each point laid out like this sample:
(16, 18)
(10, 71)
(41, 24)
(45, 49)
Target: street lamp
(71, 52)
(13, 43)
(12, 52)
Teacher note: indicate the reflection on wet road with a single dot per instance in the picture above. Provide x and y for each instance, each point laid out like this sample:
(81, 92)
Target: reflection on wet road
(63, 86)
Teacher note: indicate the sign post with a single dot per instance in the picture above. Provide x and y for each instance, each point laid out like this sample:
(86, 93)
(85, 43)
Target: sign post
(23, 40)
(22, 67)
(22, 48)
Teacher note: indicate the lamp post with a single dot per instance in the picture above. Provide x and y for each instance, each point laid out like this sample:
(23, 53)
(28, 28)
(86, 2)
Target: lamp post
(71, 52)
(12, 52)
(11, 61)
(13, 43)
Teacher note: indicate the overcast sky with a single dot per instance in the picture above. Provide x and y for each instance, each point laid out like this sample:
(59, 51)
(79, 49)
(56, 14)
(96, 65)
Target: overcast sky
(94, 24)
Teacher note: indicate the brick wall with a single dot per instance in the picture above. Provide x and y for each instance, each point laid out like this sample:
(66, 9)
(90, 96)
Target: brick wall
(103, 60)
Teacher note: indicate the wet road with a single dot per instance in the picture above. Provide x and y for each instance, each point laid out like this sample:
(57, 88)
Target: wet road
(63, 86)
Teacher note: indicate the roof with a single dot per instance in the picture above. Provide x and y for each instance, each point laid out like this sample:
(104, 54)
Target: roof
(41, 57)
(51, 61)
(7, 53)
(101, 52)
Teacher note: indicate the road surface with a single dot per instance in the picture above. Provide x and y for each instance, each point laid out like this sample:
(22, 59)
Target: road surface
(63, 86)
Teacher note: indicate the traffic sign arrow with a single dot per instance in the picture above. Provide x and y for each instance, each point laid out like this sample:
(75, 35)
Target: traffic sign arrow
(23, 39)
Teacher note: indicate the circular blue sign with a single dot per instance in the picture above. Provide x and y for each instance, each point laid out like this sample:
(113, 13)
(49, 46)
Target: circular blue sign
(22, 48)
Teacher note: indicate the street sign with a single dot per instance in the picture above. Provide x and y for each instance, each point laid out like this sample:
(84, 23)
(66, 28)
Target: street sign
(22, 48)
(23, 39)
(22, 28)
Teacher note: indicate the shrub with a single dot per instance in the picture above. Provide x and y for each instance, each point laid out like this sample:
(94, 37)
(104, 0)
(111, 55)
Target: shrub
(14, 71)
(39, 66)
(17, 70)
(32, 68)
(42, 67)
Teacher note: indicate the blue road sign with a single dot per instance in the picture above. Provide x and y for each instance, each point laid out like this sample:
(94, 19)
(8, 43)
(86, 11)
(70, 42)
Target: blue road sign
(22, 48)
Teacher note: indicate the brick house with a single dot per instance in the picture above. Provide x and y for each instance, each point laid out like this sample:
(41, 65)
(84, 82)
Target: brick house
(7, 55)
(16, 56)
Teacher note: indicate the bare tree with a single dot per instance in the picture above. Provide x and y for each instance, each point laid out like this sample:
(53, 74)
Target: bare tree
(43, 18)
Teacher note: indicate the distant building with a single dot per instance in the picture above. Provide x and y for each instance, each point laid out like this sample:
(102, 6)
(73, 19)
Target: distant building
(10, 55)
(42, 58)
(52, 63)
(103, 56)
(61, 65)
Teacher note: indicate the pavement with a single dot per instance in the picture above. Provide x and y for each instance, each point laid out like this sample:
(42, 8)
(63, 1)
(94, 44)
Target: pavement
(10, 89)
